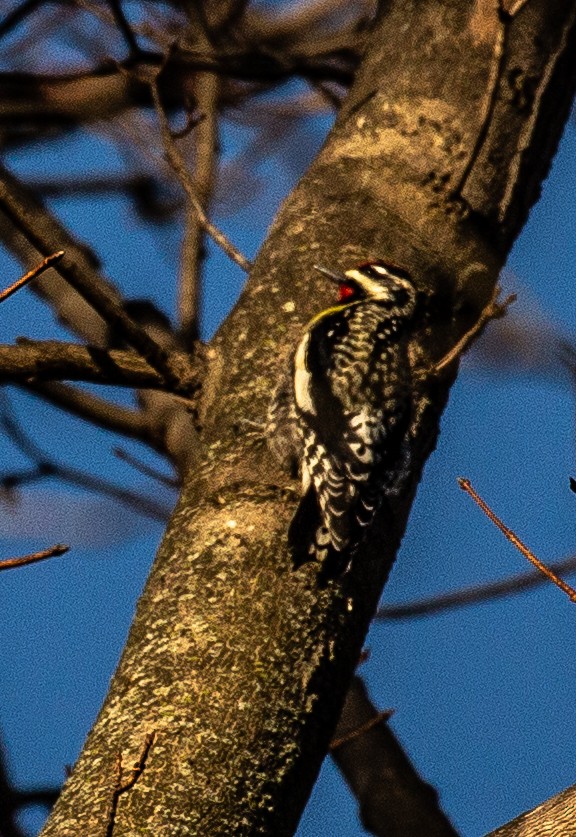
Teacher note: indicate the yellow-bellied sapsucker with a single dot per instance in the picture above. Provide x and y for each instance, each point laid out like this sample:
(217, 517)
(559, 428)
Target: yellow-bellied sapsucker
(343, 414)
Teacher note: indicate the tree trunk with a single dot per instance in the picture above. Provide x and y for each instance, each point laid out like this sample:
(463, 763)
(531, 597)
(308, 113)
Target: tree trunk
(238, 664)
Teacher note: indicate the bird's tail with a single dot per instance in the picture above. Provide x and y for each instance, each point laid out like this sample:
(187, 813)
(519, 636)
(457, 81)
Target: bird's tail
(309, 539)
(303, 528)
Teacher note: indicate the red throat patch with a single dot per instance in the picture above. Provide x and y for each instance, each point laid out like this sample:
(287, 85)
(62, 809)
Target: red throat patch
(346, 291)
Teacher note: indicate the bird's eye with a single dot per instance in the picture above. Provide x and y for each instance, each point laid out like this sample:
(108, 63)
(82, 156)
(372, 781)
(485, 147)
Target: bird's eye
(347, 291)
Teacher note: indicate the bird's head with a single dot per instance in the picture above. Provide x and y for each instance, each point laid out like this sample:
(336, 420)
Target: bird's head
(377, 281)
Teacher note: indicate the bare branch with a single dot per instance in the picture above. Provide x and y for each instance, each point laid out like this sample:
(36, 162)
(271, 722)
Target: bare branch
(52, 360)
(231, 535)
(36, 796)
(34, 557)
(298, 20)
(474, 595)
(222, 16)
(466, 486)
(123, 786)
(48, 469)
(152, 200)
(28, 229)
(49, 261)
(124, 26)
(168, 482)
(243, 62)
(12, 799)
(178, 165)
(175, 371)
(493, 311)
(513, 9)
(393, 799)
(134, 424)
(45, 467)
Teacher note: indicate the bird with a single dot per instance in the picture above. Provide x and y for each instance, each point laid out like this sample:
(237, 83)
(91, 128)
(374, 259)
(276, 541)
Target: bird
(341, 415)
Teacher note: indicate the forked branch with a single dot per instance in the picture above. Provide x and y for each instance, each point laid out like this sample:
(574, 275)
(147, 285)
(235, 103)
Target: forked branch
(122, 784)
(177, 164)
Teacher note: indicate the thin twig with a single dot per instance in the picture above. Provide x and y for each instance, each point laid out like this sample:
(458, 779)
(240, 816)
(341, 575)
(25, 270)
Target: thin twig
(356, 733)
(134, 424)
(332, 59)
(121, 786)
(49, 261)
(194, 117)
(493, 311)
(124, 26)
(34, 557)
(143, 468)
(13, 202)
(466, 486)
(28, 228)
(175, 374)
(178, 166)
(473, 595)
(46, 468)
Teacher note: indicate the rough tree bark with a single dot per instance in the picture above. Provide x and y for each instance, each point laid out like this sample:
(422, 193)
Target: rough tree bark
(238, 664)
(555, 818)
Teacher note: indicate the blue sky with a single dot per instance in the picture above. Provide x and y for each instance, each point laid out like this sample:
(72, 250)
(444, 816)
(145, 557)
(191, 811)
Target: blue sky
(484, 697)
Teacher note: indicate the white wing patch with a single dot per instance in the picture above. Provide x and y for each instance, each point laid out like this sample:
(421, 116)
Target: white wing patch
(302, 377)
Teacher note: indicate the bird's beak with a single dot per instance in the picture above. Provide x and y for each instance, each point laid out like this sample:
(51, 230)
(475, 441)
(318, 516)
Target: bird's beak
(331, 274)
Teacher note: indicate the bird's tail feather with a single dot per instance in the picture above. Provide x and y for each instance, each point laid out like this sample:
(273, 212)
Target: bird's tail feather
(309, 540)
(302, 529)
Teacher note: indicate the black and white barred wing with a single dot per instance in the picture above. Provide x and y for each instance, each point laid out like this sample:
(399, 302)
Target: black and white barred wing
(353, 442)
